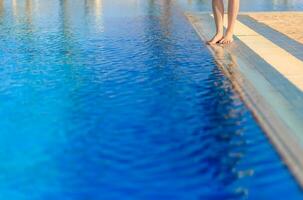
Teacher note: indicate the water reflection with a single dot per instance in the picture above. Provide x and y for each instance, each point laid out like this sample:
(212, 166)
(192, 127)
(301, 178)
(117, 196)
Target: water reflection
(14, 5)
(1, 9)
(161, 28)
(222, 148)
(123, 103)
(95, 11)
(28, 14)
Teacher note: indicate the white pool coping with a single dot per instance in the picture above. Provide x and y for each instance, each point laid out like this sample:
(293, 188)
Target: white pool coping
(284, 62)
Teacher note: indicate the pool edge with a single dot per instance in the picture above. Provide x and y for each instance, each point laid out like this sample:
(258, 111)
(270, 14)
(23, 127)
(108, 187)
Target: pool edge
(281, 134)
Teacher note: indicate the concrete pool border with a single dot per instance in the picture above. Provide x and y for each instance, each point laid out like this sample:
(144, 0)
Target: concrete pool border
(275, 102)
(292, 46)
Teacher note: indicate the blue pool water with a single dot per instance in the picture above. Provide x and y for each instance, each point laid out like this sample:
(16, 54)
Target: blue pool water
(119, 99)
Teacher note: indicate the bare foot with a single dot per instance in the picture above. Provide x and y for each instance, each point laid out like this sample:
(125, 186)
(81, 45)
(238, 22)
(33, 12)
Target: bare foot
(218, 37)
(227, 39)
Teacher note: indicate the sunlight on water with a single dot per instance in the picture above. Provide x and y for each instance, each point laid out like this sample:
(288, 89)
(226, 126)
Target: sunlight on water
(104, 99)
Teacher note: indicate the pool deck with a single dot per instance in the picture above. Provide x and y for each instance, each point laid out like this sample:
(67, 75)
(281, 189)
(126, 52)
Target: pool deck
(265, 65)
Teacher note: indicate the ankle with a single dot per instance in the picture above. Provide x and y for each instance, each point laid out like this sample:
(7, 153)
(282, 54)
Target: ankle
(220, 33)
(229, 33)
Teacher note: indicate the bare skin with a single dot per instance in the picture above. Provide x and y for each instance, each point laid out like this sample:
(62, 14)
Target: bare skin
(218, 9)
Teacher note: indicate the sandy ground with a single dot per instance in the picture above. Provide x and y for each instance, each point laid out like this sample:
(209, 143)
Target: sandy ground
(289, 24)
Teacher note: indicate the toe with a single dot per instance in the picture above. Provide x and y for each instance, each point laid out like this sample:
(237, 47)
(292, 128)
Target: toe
(219, 40)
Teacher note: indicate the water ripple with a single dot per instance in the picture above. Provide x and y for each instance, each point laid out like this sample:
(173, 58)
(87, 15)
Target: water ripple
(101, 104)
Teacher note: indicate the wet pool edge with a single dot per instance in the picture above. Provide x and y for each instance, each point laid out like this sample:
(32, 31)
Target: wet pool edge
(271, 109)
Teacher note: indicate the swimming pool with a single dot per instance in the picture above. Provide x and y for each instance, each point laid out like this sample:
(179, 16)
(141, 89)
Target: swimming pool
(100, 102)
